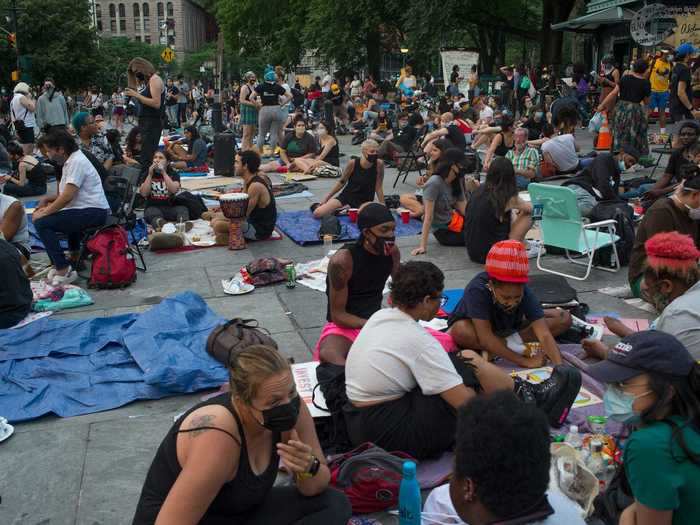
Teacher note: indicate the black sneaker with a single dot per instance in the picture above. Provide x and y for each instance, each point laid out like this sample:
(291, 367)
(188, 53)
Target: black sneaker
(524, 390)
(556, 395)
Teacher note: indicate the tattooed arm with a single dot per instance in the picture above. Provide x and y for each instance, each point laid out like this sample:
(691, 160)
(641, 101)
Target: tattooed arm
(339, 273)
(209, 458)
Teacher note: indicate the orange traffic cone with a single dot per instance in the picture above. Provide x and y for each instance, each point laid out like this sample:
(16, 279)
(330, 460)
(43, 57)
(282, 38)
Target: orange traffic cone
(604, 137)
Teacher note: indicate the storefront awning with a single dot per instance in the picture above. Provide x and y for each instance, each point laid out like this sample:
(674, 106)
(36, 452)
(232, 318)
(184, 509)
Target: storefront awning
(591, 22)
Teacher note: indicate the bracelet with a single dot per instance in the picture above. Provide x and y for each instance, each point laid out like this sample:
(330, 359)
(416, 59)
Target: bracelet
(312, 470)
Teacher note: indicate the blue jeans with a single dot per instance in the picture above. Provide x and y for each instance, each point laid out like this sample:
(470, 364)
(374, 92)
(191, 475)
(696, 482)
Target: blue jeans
(585, 161)
(72, 223)
(640, 190)
(522, 182)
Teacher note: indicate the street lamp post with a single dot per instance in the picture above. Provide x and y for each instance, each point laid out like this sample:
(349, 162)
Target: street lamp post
(404, 52)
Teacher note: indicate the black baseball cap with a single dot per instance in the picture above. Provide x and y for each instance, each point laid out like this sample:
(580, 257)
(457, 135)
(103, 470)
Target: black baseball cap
(647, 351)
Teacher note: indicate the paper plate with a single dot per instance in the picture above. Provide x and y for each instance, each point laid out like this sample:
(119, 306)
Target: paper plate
(204, 244)
(237, 288)
(6, 432)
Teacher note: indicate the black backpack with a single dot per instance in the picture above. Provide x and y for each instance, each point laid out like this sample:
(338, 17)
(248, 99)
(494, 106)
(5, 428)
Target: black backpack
(623, 214)
(332, 431)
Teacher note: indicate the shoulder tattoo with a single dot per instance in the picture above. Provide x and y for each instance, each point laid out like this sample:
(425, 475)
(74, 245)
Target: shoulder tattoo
(337, 275)
(204, 420)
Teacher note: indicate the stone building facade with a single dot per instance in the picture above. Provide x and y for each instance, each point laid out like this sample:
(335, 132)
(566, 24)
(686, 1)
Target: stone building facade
(179, 24)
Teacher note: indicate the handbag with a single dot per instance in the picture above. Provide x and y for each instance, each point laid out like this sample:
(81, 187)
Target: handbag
(236, 335)
(19, 124)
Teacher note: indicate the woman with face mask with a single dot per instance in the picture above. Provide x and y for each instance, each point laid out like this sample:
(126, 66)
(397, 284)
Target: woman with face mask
(607, 79)
(219, 461)
(249, 110)
(329, 153)
(362, 179)
(653, 385)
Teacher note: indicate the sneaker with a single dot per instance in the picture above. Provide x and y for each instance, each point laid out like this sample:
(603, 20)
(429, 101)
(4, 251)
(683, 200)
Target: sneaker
(556, 395)
(533, 248)
(59, 280)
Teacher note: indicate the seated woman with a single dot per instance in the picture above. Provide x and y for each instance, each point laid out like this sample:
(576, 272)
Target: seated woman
(444, 202)
(414, 201)
(502, 142)
(13, 226)
(132, 152)
(159, 187)
(652, 386)
(15, 291)
(362, 179)
(30, 179)
(196, 154)
(495, 212)
(219, 461)
(329, 155)
(383, 129)
(80, 204)
(298, 144)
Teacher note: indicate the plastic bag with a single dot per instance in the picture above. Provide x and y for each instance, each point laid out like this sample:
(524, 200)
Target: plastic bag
(596, 122)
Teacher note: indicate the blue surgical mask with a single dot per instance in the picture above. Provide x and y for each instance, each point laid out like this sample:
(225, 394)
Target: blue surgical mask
(618, 405)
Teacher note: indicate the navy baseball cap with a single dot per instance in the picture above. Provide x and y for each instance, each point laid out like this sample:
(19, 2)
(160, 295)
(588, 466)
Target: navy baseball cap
(648, 351)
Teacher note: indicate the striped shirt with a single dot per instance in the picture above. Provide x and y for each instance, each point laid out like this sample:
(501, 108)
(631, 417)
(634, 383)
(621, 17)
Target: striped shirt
(527, 159)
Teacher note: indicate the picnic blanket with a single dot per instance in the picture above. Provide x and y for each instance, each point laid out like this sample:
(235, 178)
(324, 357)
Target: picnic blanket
(74, 367)
(302, 227)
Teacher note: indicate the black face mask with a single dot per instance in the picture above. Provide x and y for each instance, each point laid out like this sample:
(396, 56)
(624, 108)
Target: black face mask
(372, 158)
(282, 417)
(384, 245)
(140, 76)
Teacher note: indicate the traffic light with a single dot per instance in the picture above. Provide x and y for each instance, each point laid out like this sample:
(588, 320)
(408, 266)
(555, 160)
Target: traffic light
(12, 40)
(15, 76)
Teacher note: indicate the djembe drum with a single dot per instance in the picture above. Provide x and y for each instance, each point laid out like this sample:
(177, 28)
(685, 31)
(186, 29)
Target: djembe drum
(234, 207)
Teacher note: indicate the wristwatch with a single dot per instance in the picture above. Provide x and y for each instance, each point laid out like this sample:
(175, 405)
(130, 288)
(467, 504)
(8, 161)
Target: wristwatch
(312, 470)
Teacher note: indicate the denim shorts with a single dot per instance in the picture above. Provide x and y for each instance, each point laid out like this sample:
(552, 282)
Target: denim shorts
(659, 99)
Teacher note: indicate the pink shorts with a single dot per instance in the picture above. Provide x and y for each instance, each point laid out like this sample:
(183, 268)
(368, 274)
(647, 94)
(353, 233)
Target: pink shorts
(351, 334)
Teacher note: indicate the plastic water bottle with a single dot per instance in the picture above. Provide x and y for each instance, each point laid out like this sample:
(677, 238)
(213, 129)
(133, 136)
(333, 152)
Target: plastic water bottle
(410, 503)
(573, 438)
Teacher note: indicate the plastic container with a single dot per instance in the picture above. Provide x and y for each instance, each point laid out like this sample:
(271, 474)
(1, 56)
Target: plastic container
(573, 437)
(410, 503)
(327, 244)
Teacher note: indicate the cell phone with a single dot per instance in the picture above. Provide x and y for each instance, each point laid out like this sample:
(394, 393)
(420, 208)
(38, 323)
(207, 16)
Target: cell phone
(537, 210)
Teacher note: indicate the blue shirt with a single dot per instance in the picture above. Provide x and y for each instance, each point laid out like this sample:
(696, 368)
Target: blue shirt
(478, 303)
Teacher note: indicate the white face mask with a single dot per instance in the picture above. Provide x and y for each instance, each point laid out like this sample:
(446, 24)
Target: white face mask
(621, 164)
(693, 213)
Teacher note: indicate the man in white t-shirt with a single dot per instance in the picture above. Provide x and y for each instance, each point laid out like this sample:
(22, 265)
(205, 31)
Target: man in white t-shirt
(501, 469)
(80, 204)
(403, 388)
(562, 151)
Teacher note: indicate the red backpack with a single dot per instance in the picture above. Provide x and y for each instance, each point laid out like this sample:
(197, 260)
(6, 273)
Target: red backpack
(113, 264)
(369, 476)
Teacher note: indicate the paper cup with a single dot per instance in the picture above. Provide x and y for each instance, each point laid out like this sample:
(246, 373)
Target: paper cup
(405, 216)
(352, 213)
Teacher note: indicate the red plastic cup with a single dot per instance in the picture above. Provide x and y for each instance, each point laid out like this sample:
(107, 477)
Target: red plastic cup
(405, 216)
(352, 213)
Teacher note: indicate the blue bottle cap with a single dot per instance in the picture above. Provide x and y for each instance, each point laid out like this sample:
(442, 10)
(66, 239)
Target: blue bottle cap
(409, 469)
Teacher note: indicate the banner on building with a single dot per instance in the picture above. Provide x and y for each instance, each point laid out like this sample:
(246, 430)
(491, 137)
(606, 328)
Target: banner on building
(462, 58)
(673, 25)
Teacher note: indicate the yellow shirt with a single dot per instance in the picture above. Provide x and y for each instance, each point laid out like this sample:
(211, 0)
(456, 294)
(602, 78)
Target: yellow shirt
(660, 76)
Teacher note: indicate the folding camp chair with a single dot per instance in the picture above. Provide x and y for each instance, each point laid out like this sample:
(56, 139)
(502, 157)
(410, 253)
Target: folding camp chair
(666, 149)
(409, 160)
(562, 227)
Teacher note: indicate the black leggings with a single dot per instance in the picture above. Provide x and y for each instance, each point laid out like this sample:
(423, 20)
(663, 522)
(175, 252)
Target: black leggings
(287, 506)
(449, 238)
(151, 129)
(28, 190)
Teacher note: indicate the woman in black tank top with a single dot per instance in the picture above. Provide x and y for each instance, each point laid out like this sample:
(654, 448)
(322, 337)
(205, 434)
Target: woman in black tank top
(151, 98)
(502, 143)
(218, 463)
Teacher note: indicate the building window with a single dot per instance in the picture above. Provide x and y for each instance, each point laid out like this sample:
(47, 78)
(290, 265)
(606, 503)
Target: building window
(137, 16)
(122, 11)
(113, 25)
(98, 16)
(148, 39)
(137, 38)
(112, 11)
(161, 14)
(170, 9)
(122, 24)
(146, 22)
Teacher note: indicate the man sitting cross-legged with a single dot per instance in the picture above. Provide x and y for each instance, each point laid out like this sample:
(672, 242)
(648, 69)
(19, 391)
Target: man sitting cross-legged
(403, 389)
(498, 313)
(357, 274)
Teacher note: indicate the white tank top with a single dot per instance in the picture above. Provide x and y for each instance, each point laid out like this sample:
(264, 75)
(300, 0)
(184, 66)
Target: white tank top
(22, 234)
(18, 112)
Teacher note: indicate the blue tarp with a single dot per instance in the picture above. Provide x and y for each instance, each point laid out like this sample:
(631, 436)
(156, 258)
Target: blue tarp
(302, 227)
(71, 368)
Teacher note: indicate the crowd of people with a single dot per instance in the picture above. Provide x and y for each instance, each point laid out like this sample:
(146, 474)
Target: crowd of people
(404, 386)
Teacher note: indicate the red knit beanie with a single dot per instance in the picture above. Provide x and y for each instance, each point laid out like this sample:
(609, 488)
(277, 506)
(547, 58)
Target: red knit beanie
(671, 251)
(507, 262)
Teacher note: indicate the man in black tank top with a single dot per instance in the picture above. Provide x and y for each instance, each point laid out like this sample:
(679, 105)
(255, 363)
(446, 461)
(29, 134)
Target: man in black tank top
(357, 274)
(262, 210)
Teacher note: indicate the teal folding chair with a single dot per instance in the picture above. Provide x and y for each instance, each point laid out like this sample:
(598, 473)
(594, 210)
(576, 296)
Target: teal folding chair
(562, 227)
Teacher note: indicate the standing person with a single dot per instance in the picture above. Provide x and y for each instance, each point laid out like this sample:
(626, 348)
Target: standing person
(172, 93)
(249, 110)
(338, 97)
(660, 79)
(219, 461)
(284, 103)
(80, 204)
(681, 106)
(182, 97)
(118, 108)
(270, 94)
(495, 212)
(362, 179)
(473, 80)
(22, 108)
(355, 87)
(607, 81)
(51, 110)
(653, 386)
(151, 96)
(630, 118)
(507, 86)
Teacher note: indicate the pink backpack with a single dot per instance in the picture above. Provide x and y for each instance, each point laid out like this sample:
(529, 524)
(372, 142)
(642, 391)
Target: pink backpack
(113, 264)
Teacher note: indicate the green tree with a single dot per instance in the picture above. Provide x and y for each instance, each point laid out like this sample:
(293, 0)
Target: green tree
(59, 39)
(115, 55)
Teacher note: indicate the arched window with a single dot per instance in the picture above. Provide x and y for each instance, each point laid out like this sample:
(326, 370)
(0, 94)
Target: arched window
(145, 9)
(137, 11)
(146, 13)
(161, 14)
(112, 18)
(137, 17)
(170, 9)
(122, 11)
(112, 10)
(98, 16)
